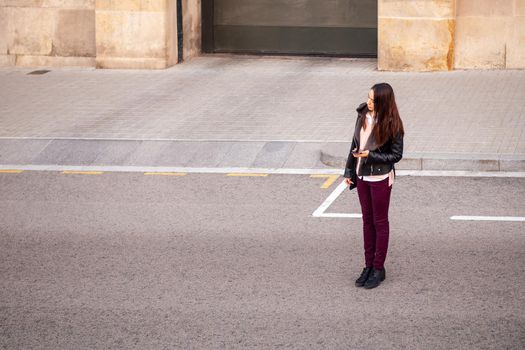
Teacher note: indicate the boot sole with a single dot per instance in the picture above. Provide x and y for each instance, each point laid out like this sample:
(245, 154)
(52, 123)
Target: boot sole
(372, 287)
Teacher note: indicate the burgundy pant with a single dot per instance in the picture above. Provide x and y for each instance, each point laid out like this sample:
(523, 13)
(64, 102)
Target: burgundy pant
(375, 199)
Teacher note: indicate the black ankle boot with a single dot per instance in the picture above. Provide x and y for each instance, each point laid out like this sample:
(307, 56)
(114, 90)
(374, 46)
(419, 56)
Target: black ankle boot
(375, 278)
(364, 276)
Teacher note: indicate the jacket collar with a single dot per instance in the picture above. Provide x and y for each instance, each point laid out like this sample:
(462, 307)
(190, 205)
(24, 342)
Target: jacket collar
(361, 112)
(362, 109)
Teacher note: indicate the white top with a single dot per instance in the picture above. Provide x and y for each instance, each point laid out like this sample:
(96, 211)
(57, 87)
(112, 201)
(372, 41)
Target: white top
(363, 136)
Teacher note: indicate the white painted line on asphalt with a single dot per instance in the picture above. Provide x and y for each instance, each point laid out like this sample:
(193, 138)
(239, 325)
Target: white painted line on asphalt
(320, 212)
(165, 174)
(142, 169)
(244, 174)
(165, 139)
(460, 173)
(340, 215)
(488, 218)
(69, 172)
(246, 170)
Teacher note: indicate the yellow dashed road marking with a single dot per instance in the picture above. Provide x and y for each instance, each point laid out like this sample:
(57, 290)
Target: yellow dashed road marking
(11, 171)
(82, 172)
(241, 174)
(329, 181)
(166, 174)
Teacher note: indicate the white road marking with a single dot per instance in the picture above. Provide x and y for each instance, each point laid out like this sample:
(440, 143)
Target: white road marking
(460, 173)
(488, 218)
(320, 212)
(245, 174)
(151, 169)
(69, 172)
(165, 174)
(247, 170)
(164, 139)
(340, 215)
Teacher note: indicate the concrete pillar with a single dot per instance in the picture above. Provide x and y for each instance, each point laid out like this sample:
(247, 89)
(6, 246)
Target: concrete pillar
(143, 33)
(192, 20)
(133, 33)
(515, 48)
(416, 35)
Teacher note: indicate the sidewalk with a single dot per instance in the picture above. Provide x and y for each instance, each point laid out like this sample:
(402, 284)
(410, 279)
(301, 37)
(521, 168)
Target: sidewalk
(220, 111)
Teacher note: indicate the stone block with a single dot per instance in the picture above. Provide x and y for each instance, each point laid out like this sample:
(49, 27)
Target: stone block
(54, 61)
(75, 33)
(516, 44)
(7, 60)
(171, 34)
(304, 155)
(408, 44)
(20, 151)
(70, 4)
(334, 154)
(443, 9)
(512, 163)
(192, 28)
(132, 5)
(410, 163)
(460, 164)
(131, 63)
(3, 31)
(131, 34)
(30, 30)
(480, 42)
(519, 8)
(22, 3)
(484, 8)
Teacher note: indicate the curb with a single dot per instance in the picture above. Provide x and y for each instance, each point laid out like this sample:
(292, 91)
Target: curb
(244, 154)
(335, 155)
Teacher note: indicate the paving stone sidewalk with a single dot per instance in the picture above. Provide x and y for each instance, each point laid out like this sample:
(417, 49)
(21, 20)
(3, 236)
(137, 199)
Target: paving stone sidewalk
(256, 111)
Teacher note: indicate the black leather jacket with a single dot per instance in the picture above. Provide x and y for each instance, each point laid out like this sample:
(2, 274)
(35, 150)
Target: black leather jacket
(380, 160)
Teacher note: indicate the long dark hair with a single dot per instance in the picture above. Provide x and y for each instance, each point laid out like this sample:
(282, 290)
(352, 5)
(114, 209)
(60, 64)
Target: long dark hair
(389, 122)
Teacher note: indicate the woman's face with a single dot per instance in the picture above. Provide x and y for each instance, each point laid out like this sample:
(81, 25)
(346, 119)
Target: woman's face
(370, 101)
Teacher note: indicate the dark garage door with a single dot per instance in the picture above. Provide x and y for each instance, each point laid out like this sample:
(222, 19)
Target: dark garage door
(302, 27)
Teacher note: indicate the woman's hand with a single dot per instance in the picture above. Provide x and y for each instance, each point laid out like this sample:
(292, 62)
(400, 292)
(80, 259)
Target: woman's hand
(348, 181)
(362, 154)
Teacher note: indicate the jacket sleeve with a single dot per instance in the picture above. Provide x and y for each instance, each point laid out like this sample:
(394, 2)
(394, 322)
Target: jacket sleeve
(394, 156)
(350, 162)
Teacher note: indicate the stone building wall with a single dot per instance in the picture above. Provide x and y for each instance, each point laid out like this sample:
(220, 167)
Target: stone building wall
(134, 33)
(428, 35)
(416, 35)
(101, 33)
(490, 34)
(413, 35)
(47, 32)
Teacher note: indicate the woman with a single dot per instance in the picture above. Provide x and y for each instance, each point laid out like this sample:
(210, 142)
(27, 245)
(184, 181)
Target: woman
(377, 145)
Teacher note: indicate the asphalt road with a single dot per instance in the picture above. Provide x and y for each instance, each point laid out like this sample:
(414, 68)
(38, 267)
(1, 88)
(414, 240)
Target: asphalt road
(209, 261)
